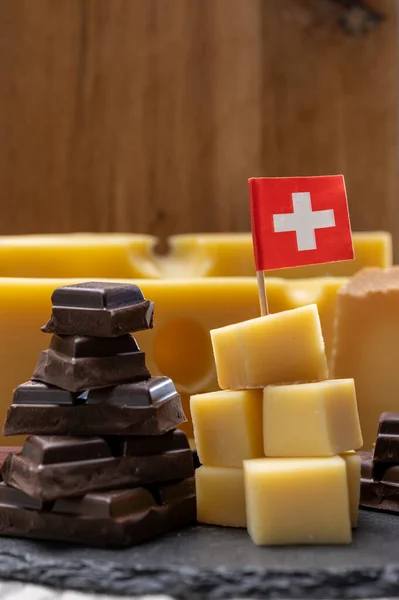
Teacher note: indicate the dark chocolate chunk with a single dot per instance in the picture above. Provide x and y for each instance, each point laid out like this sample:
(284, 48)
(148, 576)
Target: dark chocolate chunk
(4, 452)
(155, 409)
(148, 445)
(387, 444)
(50, 467)
(13, 496)
(113, 518)
(99, 309)
(389, 423)
(379, 488)
(95, 294)
(36, 392)
(77, 346)
(115, 504)
(391, 477)
(144, 393)
(85, 373)
(42, 450)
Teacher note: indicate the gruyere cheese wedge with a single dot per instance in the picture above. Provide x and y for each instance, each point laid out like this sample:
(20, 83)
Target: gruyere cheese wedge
(278, 348)
(367, 344)
(297, 501)
(227, 426)
(311, 419)
(220, 496)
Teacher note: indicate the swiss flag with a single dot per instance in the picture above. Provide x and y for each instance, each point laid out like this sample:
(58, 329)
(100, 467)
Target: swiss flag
(299, 221)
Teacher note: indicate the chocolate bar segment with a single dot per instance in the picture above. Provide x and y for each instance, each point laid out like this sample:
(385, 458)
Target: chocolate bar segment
(387, 444)
(109, 519)
(77, 346)
(50, 467)
(379, 485)
(99, 309)
(155, 409)
(151, 391)
(77, 363)
(36, 392)
(46, 450)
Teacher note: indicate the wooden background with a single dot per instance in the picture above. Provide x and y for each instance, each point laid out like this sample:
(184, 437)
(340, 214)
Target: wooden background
(150, 115)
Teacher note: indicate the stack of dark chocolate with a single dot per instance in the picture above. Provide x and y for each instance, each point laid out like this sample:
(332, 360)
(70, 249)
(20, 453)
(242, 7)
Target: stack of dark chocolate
(104, 464)
(380, 468)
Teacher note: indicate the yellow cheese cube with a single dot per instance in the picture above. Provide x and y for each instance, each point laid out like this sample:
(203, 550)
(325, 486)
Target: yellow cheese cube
(280, 348)
(353, 470)
(367, 344)
(220, 496)
(231, 254)
(311, 419)
(228, 427)
(297, 501)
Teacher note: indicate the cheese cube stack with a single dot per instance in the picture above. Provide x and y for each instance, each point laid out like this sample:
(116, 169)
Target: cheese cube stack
(276, 443)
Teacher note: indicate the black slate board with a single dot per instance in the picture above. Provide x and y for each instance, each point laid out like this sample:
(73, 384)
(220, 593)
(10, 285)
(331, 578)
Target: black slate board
(210, 562)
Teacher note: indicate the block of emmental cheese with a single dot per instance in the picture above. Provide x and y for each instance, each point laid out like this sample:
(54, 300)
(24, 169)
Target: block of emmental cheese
(297, 501)
(179, 345)
(78, 255)
(231, 254)
(220, 496)
(279, 348)
(228, 426)
(367, 344)
(311, 419)
(353, 472)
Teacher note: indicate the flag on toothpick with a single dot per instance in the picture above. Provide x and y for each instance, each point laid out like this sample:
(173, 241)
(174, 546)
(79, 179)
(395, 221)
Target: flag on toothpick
(299, 221)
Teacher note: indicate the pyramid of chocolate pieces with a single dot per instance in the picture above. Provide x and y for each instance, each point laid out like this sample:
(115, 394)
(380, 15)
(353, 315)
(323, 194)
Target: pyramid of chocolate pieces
(380, 468)
(104, 464)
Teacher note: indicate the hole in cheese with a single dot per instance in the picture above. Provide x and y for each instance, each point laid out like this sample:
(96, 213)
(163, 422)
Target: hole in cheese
(173, 351)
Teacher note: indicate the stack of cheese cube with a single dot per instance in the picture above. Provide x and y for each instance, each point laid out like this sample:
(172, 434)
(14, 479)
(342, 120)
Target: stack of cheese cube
(277, 443)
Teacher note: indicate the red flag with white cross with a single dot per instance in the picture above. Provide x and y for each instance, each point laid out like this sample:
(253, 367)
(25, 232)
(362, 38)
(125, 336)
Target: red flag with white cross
(299, 221)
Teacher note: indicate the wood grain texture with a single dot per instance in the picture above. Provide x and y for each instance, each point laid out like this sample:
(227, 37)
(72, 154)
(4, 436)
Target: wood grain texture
(150, 115)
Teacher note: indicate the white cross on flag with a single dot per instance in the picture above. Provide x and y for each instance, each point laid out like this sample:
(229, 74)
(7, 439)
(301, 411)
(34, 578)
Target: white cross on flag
(299, 221)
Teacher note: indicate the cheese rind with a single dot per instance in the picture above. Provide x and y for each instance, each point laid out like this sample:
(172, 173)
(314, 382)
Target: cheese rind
(297, 501)
(220, 496)
(353, 472)
(279, 348)
(366, 345)
(227, 427)
(311, 419)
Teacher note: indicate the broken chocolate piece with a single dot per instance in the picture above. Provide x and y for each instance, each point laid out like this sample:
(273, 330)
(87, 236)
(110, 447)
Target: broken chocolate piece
(99, 309)
(77, 363)
(50, 467)
(116, 518)
(379, 485)
(36, 392)
(387, 444)
(152, 391)
(150, 407)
